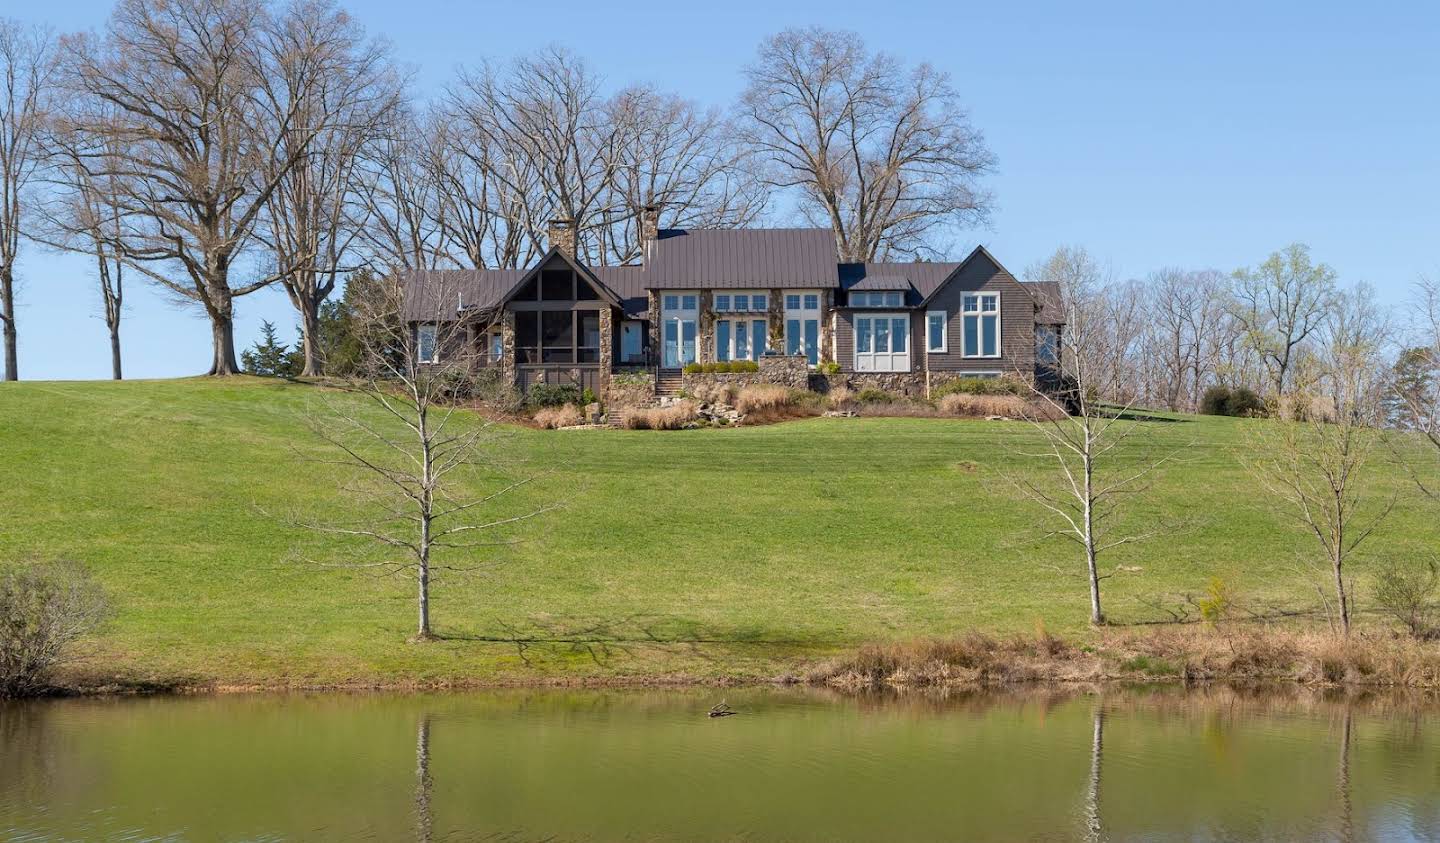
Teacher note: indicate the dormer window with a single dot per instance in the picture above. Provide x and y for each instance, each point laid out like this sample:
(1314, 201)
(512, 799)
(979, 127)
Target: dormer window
(889, 298)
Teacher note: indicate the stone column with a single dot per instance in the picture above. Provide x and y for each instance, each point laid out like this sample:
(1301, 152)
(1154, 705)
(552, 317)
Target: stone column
(827, 325)
(507, 347)
(705, 329)
(656, 349)
(775, 315)
(607, 348)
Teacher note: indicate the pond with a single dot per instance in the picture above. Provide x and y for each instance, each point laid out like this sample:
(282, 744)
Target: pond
(794, 764)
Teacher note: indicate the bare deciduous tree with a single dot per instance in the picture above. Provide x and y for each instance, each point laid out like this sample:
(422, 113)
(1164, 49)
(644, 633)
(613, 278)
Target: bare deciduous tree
(1187, 323)
(1317, 465)
(181, 88)
(1097, 456)
(1280, 305)
(398, 198)
(880, 154)
(431, 483)
(324, 75)
(86, 215)
(27, 71)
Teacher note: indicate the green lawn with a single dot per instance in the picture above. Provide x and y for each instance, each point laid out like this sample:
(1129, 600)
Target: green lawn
(701, 553)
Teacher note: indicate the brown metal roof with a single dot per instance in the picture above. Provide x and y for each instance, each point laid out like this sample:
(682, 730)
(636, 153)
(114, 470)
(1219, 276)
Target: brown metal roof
(740, 258)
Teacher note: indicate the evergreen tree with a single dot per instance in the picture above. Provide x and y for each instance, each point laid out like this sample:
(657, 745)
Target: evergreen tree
(269, 357)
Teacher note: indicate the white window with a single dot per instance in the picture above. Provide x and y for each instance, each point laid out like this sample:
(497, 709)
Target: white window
(742, 303)
(722, 303)
(882, 342)
(894, 298)
(672, 302)
(981, 322)
(802, 326)
(425, 345)
(937, 331)
(497, 346)
(740, 339)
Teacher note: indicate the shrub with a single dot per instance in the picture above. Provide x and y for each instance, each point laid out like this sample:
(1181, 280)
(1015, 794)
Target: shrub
(693, 368)
(828, 367)
(1219, 598)
(841, 397)
(1407, 594)
(44, 608)
(552, 394)
(983, 406)
(980, 386)
(672, 417)
(567, 415)
(763, 397)
(874, 395)
(1225, 401)
(587, 397)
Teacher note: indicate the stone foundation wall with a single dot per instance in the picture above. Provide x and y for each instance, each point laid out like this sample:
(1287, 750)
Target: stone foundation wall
(908, 384)
(625, 393)
(792, 372)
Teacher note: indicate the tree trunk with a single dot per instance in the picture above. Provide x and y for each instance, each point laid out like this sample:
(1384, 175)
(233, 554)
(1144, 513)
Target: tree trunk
(1342, 598)
(310, 340)
(222, 331)
(115, 351)
(423, 580)
(7, 318)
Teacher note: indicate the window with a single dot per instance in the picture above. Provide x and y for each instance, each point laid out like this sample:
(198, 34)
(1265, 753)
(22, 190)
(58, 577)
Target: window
(739, 339)
(557, 333)
(722, 302)
(802, 325)
(894, 298)
(589, 339)
(497, 346)
(425, 344)
(687, 302)
(882, 343)
(672, 302)
(557, 285)
(742, 303)
(758, 302)
(936, 330)
(1047, 345)
(981, 321)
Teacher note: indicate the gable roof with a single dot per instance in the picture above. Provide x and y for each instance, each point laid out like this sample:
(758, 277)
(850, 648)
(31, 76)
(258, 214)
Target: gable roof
(580, 269)
(743, 257)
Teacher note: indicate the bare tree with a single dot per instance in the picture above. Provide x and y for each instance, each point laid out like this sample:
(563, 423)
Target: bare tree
(27, 71)
(85, 215)
(1280, 305)
(325, 75)
(398, 198)
(1317, 465)
(430, 483)
(180, 86)
(881, 154)
(1098, 457)
(1187, 313)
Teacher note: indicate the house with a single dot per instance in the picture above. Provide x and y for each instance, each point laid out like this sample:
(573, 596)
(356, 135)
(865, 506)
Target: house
(779, 297)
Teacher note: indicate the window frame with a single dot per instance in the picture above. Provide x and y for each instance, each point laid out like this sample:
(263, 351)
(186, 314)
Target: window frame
(944, 347)
(734, 326)
(981, 314)
(889, 318)
(434, 332)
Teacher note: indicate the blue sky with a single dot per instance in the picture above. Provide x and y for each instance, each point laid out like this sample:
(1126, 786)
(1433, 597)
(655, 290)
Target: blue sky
(1155, 134)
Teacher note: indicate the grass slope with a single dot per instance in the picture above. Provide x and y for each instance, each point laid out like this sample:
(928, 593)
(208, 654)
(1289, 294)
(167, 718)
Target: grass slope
(704, 553)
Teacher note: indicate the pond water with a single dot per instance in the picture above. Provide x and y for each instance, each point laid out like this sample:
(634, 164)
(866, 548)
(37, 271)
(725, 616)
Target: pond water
(793, 765)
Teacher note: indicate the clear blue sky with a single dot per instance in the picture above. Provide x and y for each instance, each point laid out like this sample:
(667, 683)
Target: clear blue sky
(1154, 135)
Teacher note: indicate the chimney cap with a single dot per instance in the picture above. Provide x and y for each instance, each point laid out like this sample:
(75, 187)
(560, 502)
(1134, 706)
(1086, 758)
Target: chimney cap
(561, 222)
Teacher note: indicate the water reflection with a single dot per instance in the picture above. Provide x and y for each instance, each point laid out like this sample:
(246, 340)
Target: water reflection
(798, 765)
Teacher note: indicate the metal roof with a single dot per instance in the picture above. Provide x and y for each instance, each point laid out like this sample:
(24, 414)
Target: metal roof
(740, 258)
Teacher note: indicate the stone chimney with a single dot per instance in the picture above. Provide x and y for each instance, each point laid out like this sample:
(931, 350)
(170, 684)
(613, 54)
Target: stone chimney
(561, 233)
(649, 229)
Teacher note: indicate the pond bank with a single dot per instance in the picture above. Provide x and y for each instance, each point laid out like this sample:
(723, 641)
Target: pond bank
(1171, 655)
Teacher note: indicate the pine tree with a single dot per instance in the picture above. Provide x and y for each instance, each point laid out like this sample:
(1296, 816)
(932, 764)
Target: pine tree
(269, 357)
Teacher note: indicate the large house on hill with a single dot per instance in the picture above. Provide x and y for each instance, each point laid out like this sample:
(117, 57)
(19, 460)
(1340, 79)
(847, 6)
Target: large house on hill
(779, 297)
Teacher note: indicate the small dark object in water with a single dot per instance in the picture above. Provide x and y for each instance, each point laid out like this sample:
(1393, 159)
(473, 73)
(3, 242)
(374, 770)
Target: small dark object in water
(722, 710)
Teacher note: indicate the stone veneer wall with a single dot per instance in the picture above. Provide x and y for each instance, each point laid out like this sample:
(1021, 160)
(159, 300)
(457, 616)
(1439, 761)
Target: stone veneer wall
(909, 384)
(607, 347)
(507, 346)
(792, 372)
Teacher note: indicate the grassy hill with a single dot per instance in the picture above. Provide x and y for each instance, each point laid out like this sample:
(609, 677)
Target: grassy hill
(707, 553)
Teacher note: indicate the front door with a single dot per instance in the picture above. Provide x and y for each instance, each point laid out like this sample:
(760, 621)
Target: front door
(631, 342)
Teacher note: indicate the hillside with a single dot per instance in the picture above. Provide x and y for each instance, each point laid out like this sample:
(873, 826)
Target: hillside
(705, 553)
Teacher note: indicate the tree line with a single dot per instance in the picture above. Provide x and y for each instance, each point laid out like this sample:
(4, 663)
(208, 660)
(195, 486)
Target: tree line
(214, 148)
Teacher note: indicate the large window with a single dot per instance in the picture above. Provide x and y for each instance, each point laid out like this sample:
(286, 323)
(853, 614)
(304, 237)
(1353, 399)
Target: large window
(981, 312)
(740, 339)
(937, 329)
(882, 342)
(1047, 345)
(679, 319)
(425, 345)
(802, 325)
(741, 302)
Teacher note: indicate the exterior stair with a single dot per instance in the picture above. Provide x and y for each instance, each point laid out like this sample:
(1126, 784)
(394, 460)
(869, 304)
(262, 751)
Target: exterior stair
(668, 382)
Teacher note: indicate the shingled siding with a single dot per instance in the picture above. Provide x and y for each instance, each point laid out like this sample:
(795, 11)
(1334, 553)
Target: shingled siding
(1017, 321)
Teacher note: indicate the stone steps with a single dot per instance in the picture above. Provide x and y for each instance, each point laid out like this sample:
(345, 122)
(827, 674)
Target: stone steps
(668, 382)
